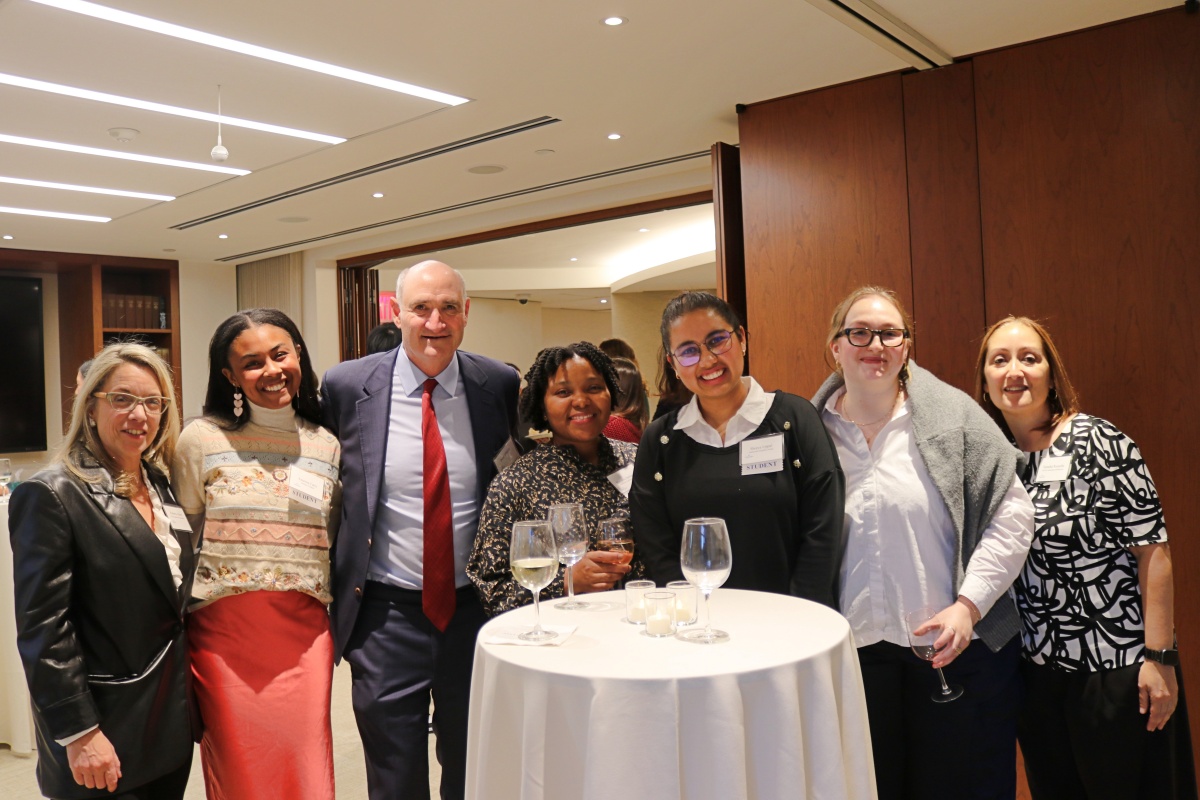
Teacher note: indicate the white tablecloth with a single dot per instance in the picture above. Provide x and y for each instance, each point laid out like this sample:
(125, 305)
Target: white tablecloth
(16, 722)
(776, 712)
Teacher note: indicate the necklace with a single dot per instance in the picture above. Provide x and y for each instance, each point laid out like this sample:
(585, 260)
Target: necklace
(882, 419)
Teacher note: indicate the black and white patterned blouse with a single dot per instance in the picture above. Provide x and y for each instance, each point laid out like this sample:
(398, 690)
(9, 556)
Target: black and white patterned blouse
(1078, 594)
(537, 480)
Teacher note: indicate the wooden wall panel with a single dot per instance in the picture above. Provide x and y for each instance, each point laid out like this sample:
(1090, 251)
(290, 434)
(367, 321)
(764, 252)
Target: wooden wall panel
(944, 227)
(1089, 155)
(824, 210)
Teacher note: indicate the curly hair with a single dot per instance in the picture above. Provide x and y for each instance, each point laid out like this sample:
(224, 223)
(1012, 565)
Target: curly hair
(533, 400)
(218, 402)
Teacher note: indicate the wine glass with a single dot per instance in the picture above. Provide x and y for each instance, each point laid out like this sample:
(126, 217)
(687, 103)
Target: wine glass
(612, 536)
(571, 537)
(534, 561)
(5, 475)
(706, 559)
(925, 648)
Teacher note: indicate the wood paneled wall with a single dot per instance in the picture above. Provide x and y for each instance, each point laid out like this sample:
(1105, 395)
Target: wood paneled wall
(1058, 179)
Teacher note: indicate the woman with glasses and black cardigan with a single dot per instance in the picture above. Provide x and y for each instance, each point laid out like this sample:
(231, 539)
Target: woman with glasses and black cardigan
(935, 518)
(760, 460)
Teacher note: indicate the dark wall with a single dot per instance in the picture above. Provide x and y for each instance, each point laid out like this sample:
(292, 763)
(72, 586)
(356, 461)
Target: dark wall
(1058, 179)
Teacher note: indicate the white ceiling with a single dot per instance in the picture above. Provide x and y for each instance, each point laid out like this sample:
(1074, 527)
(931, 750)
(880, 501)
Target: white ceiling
(668, 81)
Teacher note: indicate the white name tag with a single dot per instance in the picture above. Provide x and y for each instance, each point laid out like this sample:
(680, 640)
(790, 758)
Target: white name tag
(305, 487)
(622, 479)
(762, 455)
(1053, 468)
(177, 519)
(507, 455)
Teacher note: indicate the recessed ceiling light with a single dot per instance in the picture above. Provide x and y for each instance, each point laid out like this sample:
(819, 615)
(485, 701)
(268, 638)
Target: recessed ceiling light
(122, 135)
(212, 40)
(96, 151)
(574, 259)
(55, 214)
(603, 299)
(6, 236)
(613, 22)
(293, 219)
(643, 230)
(168, 249)
(486, 169)
(377, 195)
(146, 105)
(70, 187)
(222, 235)
(614, 136)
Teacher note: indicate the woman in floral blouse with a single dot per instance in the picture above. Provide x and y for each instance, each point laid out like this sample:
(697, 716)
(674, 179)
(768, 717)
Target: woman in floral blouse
(570, 390)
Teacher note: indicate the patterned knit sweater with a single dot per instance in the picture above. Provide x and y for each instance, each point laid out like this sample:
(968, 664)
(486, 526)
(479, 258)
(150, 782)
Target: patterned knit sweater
(261, 532)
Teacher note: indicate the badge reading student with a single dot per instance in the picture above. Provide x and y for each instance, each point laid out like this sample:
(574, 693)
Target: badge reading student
(306, 487)
(507, 455)
(1053, 468)
(762, 455)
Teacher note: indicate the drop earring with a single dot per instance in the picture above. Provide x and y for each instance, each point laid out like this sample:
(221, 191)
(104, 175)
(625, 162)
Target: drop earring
(237, 401)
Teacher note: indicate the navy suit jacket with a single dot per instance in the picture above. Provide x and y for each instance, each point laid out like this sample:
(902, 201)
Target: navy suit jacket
(356, 402)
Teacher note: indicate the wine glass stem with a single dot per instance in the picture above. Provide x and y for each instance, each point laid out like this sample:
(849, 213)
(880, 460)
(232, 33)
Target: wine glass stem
(942, 678)
(537, 614)
(570, 582)
(707, 615)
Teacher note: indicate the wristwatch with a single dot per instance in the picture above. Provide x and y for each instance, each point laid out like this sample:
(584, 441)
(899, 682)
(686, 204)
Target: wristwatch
(1168, 658)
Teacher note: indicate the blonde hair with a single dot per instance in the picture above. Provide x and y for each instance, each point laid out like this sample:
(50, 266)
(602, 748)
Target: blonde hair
(82, 443)
(1063, 400)
(837, 323)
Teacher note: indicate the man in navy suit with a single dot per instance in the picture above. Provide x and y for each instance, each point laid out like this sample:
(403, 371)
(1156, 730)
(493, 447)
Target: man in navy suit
(404, 616)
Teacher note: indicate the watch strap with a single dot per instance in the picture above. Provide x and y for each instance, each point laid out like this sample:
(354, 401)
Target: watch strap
(1168, 658)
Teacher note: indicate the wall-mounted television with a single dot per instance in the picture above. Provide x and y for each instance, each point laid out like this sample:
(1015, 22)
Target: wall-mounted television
(22, 366)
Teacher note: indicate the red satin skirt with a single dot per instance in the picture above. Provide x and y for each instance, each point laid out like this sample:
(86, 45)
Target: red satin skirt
(263, 668)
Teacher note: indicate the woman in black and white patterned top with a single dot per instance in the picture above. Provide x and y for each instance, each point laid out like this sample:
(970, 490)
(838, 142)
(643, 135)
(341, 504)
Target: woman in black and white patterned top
(1103, 714)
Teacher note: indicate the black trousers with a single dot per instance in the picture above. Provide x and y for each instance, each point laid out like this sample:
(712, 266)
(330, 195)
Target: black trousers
(1083, 738)
(962, 749)
(398, 660)
(169, 787)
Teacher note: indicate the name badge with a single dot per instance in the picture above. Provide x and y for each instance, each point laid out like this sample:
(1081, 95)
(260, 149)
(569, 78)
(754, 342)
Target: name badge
(177, 519)
(306, 487)
(762, 455)
(622, 479)
(1053, 468)
(507, 455)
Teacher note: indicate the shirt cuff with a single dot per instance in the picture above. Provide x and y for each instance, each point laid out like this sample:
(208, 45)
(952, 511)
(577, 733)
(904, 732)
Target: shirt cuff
(76, 737)
(979, 592)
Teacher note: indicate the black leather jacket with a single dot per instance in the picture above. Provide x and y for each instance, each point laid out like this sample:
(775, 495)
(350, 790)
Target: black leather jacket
(100, 626)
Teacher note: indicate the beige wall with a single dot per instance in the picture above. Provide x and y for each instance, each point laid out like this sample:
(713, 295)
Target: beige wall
(207, 296)
(562, 326)
(635, 318)
(504, 330)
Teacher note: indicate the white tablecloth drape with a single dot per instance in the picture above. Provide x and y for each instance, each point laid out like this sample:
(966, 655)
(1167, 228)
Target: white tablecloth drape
(776, 712)
(16, 722)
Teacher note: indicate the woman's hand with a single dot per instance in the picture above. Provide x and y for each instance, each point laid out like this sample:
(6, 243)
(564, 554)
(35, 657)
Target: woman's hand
(599, 571)
(94, 762)
(1158, 693)
(957, 622)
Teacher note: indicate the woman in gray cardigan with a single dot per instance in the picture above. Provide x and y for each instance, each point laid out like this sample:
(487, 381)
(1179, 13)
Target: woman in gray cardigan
(935, 517)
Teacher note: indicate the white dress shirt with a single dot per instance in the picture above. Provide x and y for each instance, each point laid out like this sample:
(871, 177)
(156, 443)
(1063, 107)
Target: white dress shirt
(900, 538)
(398, 547)
(745, 422)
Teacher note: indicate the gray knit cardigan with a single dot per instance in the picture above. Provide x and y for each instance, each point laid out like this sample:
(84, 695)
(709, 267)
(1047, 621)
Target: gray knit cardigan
(971, 464)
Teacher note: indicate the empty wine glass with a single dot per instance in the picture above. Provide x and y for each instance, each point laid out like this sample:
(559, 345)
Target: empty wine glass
(924, 645)
(534, 561)
(706, 559)
(612, 536)
(571, 537)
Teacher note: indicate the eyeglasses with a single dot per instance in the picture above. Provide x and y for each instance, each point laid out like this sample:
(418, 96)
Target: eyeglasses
(122, 402)
(888, 337)
(689, 354)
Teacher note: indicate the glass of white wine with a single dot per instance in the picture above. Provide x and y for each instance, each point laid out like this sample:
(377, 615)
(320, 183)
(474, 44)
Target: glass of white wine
(534, 561)
(706, 558)
(571, 536)
(925, 646)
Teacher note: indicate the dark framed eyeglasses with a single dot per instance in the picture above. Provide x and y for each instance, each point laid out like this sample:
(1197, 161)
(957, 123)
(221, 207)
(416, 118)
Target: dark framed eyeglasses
(688, 355)
(122, 402)
(888, 337)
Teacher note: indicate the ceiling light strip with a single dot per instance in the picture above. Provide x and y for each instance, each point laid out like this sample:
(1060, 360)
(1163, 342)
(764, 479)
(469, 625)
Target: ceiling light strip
(279, 57)
(146, 105)
(473, 203)
(55, 214)
(400, 161)
(96, 151)
(70, 187)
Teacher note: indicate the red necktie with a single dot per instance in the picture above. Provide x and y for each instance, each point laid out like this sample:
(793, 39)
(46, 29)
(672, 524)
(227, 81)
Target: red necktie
(437, 594)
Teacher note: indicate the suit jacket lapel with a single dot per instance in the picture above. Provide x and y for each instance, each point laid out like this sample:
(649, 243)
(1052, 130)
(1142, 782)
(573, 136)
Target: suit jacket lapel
(187, 556)
(374, 412)
(136, 533)
(483, 406)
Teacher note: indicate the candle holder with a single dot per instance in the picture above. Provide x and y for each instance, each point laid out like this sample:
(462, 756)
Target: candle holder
(660, 614)
(635, 603)
(685, 602)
